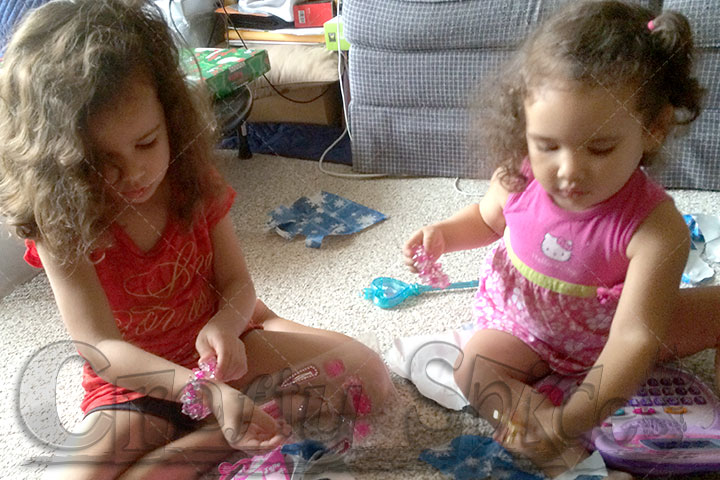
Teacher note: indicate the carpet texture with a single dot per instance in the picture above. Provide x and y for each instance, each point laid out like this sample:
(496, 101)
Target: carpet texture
(317, 287)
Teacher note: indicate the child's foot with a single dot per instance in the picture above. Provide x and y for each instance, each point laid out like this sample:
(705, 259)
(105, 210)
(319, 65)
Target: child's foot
(560, 466)
(567, 460)
(552, 459)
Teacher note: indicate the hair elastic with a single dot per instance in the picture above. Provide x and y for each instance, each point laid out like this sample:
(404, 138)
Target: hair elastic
(192, 404)
(651, 25)
(431, 272)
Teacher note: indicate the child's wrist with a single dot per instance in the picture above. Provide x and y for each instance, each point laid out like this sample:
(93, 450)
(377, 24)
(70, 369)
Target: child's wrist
(231, 321)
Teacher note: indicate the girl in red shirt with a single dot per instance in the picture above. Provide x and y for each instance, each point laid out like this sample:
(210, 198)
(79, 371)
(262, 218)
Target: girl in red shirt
(106, 161)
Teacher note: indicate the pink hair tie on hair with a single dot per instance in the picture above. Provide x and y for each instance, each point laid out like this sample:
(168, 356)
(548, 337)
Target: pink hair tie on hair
(651, 25)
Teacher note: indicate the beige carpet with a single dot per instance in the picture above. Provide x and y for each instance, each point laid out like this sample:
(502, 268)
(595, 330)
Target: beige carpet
(318, 287)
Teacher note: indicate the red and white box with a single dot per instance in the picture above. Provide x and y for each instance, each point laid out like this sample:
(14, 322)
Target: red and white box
(313, 14)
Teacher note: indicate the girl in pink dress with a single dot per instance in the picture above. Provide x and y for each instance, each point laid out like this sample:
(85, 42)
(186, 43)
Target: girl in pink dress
(591, 250)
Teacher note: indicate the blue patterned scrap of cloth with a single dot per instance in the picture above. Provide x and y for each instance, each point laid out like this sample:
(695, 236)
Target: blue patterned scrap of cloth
(321, 215)
(472, 457)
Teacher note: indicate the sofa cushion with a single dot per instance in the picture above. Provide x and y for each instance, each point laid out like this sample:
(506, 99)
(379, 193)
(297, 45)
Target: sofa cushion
(694, 157)
(464, 24)
(413, 141)
(704, 16)
(373, 83)
(412, 78)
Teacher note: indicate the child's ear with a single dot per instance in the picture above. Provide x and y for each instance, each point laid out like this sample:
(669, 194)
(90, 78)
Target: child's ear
(655, 135)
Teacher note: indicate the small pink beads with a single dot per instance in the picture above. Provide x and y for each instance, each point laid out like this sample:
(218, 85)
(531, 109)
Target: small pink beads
(191, 399)
(361, 403)
(553, 393)
(430, 272)
(272, 408)
(334, 368)
(361, 429)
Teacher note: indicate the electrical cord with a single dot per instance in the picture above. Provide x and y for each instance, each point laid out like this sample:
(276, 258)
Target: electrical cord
(344, 175)
(228, 22)
(341, 57)
(346, 131)
(463, 192)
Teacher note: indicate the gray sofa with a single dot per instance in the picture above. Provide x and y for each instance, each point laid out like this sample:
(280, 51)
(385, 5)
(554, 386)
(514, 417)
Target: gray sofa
(416, 64)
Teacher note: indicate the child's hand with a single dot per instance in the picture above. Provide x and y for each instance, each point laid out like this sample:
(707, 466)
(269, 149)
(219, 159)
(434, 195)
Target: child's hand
(535, 432)
(226, 347)
(245, 426)
(531, 431)
(429, 237)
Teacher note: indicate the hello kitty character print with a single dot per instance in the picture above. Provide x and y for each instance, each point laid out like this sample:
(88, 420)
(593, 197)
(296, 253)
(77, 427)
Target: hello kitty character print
(556, 248)
(554, 280)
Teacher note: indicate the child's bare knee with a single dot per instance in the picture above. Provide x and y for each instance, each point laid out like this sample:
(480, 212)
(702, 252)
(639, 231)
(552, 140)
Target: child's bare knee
(363, 376)
(468, 373)
(462, 378)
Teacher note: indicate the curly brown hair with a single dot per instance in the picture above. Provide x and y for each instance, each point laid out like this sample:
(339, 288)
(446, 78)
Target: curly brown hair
(66, 60)
(604, 44)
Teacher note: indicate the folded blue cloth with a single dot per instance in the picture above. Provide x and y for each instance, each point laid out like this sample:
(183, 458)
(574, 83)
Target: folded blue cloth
(473, 457)
(321, 215)
(305, 449)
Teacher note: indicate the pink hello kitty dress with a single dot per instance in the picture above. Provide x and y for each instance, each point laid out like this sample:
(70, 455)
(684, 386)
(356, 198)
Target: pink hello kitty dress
(554, 280)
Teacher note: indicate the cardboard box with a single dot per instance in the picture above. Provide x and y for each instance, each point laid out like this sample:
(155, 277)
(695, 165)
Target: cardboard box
(313, 14)
(225, 69)
(326, 110)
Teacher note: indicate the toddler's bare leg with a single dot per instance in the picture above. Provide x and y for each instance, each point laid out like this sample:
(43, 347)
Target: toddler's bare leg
(495, 371)
(186, 458)
(495, 374)
(695, 326)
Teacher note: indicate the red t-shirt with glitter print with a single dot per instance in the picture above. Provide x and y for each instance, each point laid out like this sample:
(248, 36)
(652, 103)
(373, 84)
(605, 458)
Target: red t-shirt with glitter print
(160, 298)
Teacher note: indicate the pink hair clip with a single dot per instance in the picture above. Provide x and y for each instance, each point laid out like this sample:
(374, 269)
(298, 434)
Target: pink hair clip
(651, 25)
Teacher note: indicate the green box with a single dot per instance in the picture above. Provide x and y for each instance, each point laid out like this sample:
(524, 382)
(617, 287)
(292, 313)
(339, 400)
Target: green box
(333, 30)
(225, 69)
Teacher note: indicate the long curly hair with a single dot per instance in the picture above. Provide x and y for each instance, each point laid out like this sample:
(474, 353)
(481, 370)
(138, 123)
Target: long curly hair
(66, 60)
(605, 44)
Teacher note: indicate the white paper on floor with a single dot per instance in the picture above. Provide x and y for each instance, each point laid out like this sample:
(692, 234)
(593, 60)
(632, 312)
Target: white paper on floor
(428, 360)
(705, 237)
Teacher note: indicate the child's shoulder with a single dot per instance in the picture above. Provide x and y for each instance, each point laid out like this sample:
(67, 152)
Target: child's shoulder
(219, 203)
(663, 229)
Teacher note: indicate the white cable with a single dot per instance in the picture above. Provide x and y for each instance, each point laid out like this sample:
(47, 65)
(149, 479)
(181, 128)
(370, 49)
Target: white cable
(340, 57)
(457, 188)
(344, 175)
(342, 89)
(347, 124)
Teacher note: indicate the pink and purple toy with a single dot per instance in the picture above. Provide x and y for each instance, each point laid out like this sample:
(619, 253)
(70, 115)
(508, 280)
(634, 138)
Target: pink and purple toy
(670, 426)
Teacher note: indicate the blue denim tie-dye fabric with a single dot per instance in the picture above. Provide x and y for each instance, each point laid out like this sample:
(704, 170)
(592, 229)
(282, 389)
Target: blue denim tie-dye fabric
(321, 215)
(472, 456)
